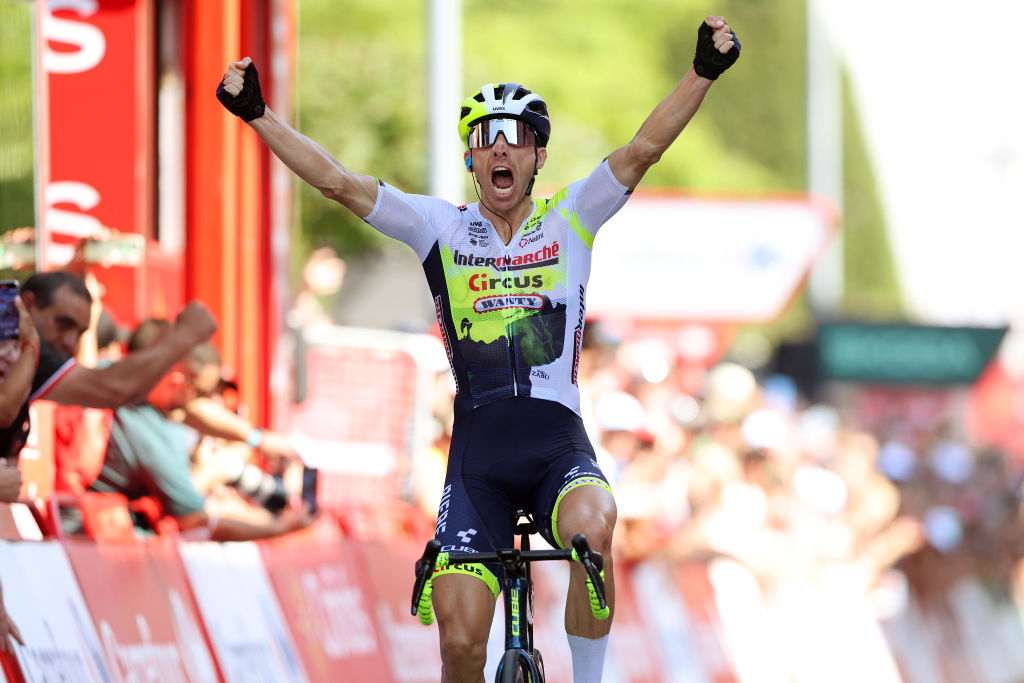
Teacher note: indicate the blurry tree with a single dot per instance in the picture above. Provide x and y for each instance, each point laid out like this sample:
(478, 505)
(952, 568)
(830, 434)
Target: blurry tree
(16, 149)
(601, 66)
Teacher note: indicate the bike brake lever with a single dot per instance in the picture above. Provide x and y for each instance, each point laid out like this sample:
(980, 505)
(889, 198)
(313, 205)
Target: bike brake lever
(424, 568)
(593, 563)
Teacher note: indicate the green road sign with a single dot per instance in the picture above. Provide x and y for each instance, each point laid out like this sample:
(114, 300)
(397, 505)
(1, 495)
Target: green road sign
(905, 354)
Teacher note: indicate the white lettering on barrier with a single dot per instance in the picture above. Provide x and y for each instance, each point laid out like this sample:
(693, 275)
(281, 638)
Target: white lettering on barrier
(241, 613)
(145, 661)
(411, 644)
(197, 659)
(345, 627)
(54, 664)
(91, 43)
(43, 598)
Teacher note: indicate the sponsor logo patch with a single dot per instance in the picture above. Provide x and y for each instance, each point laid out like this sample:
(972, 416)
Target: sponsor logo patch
(495, 303)
(545, 256)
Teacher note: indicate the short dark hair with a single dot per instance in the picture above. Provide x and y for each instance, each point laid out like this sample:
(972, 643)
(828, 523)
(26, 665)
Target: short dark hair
(45, 285)
(148, 331)
(202, 355)
(107, 331)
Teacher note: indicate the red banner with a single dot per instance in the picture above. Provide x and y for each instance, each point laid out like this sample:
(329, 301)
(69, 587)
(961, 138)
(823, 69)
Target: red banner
(97, 144)
(143, 611)
(413, 649)
(328, 600)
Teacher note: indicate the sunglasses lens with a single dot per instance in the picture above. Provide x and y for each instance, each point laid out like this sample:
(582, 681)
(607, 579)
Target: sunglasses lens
(516, 133)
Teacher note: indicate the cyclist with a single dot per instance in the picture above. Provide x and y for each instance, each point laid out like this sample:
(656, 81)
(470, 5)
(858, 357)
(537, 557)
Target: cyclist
(508, 276)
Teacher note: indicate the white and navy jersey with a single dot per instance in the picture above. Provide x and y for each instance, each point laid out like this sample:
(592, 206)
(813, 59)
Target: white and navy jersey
(511, 316)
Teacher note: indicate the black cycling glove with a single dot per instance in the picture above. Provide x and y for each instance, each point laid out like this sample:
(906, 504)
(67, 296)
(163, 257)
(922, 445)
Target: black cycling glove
(248, 104)
(708, 61)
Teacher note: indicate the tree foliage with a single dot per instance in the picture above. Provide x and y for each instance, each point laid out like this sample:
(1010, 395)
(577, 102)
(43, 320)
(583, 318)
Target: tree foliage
(16, 148)
(602, 66)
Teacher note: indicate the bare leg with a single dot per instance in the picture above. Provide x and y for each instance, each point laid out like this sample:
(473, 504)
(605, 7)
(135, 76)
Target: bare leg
(464, 607)
(588, 510)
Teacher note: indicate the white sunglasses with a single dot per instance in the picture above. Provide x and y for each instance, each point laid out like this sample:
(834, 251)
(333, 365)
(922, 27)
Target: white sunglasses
(517, 133)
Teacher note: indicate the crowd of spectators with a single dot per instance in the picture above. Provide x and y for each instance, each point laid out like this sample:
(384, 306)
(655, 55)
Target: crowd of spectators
(816, 500)
(141, 415)
(746, 467)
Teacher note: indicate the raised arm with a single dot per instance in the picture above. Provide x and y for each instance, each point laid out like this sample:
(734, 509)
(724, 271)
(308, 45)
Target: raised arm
(210, 418)
(717, 50)
(131, 378)
(239, 92)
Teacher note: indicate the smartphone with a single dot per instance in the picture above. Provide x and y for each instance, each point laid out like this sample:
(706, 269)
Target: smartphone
(8, 312)
(309, 481)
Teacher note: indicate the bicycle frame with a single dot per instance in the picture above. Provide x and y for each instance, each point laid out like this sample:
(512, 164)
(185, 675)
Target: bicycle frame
(517, 594)
(517, 588)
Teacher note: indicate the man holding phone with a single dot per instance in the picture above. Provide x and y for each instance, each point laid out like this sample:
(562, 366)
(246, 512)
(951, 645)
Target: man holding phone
(59, 306)
(19, 354)
(19, 357)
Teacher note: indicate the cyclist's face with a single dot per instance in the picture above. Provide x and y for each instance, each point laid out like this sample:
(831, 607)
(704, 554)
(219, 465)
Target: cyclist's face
(504, 171)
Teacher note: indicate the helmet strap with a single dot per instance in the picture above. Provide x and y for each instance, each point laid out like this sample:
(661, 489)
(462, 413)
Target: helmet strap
(536, 159)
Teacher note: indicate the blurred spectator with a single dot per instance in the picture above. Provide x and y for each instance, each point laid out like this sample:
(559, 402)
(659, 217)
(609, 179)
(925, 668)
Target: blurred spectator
(80, 433)
(210, 417)
(429, 464)
(60, 306)
(322, 277)
(148, 454)
(222, 462)
(18, 360)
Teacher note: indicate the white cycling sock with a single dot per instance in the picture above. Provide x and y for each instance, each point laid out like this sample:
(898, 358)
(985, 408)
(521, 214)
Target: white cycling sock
(587, 658)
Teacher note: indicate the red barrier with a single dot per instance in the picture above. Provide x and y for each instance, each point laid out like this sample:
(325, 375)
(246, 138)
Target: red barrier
(43, 598)
(319, 606)
(142, 606)
(413, 649)
(327, 597)
(631, 648)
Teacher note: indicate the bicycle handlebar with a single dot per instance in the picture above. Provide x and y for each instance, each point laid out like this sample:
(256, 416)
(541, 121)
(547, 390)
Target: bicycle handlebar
(579, 552)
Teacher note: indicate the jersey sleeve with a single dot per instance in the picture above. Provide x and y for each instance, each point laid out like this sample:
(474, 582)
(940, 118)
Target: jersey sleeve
(595, 199)
(413, 219)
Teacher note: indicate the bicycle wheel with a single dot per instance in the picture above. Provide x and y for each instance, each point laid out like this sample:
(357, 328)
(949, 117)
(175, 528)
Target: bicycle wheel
(538, 662)
(512, 669)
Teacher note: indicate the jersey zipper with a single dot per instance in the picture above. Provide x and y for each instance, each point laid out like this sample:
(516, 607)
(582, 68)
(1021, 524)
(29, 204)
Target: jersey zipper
(508, 326)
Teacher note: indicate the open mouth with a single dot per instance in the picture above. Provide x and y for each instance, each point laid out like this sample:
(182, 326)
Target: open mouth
(502, 180)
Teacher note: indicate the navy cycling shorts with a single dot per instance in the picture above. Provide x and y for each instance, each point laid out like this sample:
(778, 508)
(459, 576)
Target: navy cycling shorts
(507, 455)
